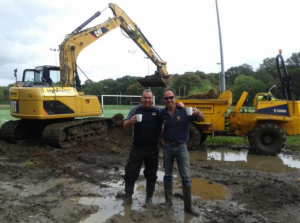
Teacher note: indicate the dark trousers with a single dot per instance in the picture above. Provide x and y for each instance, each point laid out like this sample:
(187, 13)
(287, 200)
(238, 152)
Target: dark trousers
(139, 155)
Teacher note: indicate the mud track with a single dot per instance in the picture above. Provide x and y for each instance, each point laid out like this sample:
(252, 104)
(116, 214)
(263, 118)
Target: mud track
(43, 184)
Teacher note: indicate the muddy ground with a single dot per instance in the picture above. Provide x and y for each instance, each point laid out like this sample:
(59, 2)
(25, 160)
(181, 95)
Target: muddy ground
(45, 184)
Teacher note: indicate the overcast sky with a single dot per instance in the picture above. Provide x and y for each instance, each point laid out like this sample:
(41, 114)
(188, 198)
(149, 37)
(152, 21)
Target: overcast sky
(183, 33)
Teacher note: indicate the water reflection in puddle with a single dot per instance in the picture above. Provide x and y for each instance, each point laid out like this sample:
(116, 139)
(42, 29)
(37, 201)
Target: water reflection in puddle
(110, 205)
(208, 190)
(280, 163)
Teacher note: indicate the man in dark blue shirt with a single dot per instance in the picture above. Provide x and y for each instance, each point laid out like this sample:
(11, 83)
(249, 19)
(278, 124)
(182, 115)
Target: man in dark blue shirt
(175, 135)
(144, 147)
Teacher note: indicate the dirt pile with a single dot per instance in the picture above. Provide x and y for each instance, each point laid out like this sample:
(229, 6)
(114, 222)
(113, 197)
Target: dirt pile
(211, 94)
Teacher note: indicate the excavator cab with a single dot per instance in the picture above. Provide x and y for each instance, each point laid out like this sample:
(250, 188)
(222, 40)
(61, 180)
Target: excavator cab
(41, 75)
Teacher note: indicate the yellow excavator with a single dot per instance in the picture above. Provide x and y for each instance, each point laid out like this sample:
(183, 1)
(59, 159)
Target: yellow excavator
(52, 112)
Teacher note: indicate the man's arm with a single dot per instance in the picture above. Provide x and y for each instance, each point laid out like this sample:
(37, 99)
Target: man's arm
(131, 119)
(128, 124)
(200, 115)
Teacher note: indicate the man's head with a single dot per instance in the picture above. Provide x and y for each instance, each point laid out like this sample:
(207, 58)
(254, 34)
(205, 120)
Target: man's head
(170, 97)
(147, 98)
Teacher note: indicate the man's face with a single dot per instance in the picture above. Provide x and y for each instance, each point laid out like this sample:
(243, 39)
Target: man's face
(169, 99)
(147, 100)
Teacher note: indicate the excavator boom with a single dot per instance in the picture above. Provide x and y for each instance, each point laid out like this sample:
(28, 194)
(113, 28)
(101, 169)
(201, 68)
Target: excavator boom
(79, 39)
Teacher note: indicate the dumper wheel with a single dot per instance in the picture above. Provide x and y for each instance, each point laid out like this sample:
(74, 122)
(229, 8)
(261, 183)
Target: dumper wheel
(194, 137)
(203, 138)
(267, 139)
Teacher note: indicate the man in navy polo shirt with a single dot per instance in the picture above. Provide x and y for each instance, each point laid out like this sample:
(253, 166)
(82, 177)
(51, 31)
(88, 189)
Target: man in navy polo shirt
(175, 135)
(144, 147)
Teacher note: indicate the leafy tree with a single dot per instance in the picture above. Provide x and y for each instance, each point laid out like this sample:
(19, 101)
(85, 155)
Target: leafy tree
(186, 81)
(4, 91)
(294, 59)
(158, 93)
(265, 77)
(134, 89)
(204, 87)
(269, 65)
(92, 88)
(213, 78)
(243, 82)
(1, 94)
(233, 72)
(294, 72)
(125, 82)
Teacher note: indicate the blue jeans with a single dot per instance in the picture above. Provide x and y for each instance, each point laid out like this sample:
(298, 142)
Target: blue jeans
(181, 154)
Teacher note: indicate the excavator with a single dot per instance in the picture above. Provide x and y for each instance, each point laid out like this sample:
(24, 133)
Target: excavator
(63, 115)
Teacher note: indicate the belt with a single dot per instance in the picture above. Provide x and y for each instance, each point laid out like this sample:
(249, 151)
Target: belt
(175, 144)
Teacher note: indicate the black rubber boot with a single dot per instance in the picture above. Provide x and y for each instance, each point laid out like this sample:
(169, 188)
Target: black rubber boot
(129, 188)
(168, 186)
(150, 187)
(187, 197)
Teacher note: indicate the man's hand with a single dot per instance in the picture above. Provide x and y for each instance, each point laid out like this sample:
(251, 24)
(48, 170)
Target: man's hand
(200, 115)
(133, 120)
(180, 105)
(129, 123)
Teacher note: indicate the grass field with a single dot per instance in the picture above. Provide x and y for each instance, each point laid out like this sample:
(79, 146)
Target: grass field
(293, 142)
(109, 111)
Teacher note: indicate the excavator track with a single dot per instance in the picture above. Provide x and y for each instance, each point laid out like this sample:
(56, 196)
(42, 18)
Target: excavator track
(13, 131)
(67, 134)
(63, 134)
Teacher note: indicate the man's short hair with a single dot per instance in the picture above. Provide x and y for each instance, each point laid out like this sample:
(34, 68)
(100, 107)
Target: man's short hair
(147, 91)
(169, 89)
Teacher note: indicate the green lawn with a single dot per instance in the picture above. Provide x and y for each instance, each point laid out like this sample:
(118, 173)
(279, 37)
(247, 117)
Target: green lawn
(293, 142)
(109, 111)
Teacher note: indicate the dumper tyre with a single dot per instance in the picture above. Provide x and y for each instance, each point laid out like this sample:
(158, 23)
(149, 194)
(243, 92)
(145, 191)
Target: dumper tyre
(267, 139)
(194, 137)
(203, 138)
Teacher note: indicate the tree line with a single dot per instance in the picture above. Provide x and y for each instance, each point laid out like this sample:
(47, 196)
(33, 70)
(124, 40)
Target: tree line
(191, 83)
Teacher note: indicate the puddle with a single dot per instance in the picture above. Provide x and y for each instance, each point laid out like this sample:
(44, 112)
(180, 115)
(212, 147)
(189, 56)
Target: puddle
(208, 190)
(277, 164)
(110, 205)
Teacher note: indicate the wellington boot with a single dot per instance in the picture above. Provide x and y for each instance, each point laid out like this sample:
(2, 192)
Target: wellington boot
(168, 186)
(150, 187)
(187, 197)
(129, 187)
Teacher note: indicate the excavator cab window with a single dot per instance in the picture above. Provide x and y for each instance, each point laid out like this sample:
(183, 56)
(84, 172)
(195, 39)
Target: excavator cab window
(28, 75)
(41, 75)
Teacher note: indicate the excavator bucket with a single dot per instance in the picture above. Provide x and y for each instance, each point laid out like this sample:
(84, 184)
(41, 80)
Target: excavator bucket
(156, 81)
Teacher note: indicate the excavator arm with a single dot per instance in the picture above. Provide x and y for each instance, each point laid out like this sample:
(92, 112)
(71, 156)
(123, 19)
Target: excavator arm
(75, 42)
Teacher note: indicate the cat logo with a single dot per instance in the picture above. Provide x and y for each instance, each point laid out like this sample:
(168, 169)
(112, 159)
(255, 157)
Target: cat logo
(99, 32)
